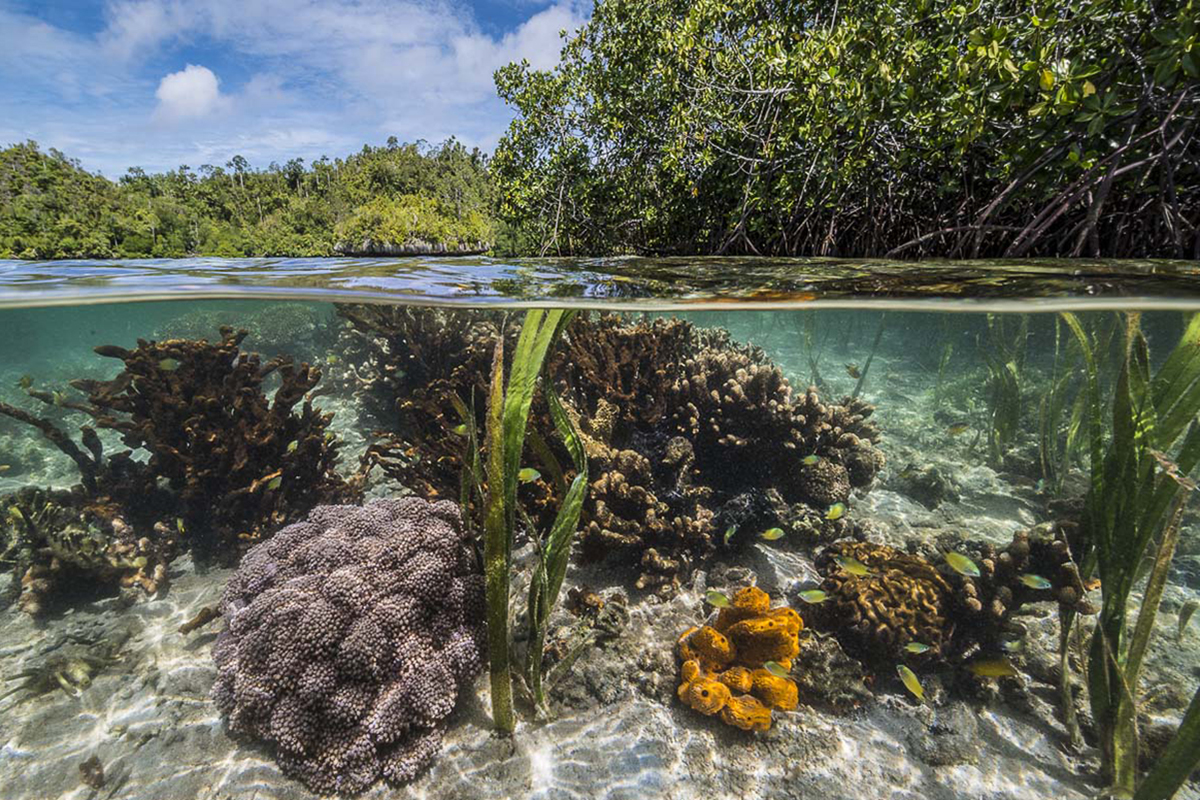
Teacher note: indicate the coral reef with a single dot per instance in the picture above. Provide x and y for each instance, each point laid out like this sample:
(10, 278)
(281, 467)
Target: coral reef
(227, 464)
(682, 427)
(722, 669)
(348, 639)
(59, 540)
(905, 598)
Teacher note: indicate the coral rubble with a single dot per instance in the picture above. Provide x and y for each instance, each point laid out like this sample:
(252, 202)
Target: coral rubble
(348, 639)
(682, 427)
(905, 598)
(59, 539)
(723, 670)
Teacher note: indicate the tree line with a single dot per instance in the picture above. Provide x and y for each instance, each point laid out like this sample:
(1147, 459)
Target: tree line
(897, 128)
(50, 207)
(901, 128)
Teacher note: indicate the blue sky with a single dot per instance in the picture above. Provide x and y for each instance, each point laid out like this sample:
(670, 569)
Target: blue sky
(159, 83)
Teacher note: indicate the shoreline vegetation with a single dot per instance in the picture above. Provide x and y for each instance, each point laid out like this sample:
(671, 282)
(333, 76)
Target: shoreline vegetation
(901, 130)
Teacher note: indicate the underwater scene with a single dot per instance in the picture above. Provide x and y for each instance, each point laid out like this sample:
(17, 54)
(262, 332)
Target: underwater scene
(627, 529)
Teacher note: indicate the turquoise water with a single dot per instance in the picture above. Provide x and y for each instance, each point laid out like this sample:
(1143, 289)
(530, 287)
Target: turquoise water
(163, 483)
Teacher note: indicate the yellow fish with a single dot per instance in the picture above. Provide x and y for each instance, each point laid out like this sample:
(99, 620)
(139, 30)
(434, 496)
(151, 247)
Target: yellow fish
(962, 565)
(853, 566)
(853, 371)
(836, 511)
(1035, 581)
(729, 532)
(168, 364)
(957, 428)
(917, 648)
(813, 596)
(715, 598)
(275, 482)
(776, 669)
(528, 475)
(292, 445)
(810, 459)
(771, 534)
(909, 679)
(992, 668)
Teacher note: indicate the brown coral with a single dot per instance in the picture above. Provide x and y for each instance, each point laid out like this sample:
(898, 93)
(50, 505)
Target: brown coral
(681, 425)
(723, 664)
(906, 598)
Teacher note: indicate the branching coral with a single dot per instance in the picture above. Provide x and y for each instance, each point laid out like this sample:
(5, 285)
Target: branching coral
(56, 539)
(681, 425)
(227, 463)
(349, 638)
(722, 669)
(905, 598)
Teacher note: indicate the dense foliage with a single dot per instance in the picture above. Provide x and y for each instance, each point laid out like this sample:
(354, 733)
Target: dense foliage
(861, 127)
(52, 208)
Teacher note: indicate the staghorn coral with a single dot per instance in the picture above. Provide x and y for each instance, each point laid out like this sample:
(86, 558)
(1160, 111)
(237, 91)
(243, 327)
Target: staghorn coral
(226, 460)
(681, 426)
(722, 664)
(348, 639)
(227, 463)
(907, 598)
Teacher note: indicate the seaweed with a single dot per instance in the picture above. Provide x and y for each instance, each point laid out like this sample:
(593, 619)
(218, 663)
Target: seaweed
(1139, 489)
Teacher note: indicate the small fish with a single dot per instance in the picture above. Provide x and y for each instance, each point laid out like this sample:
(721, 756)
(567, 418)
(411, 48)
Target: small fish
(168, 364)
(331, 359)
(853, 566)
(810, 459)
(25, 382)
(1035, 581)
(909, 679)
(853, 371)
(16, 516)
(528, 475)
(962, 565)
(775, 668)
(836, 511)
(992, 668)
(292, 445)
(917, 647)
(1185, 616)
(5, 467)
(275, 482)
(459, 430)
(329, 437)
(59, 398)
(958, 427)
(813, 596)
(1012, 645)
(729, 532)
(716, 599)
(771, 534)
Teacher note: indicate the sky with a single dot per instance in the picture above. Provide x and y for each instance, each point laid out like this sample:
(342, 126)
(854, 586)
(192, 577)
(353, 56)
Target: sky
(160, 83)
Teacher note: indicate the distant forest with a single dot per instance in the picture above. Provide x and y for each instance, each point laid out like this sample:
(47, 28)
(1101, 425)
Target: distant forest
(400, 194)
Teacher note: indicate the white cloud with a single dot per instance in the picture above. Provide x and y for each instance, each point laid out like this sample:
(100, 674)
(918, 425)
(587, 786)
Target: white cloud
(297, 77)
(192, 92)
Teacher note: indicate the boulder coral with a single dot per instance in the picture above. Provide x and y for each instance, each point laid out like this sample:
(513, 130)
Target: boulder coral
(723, 671)
(907, 598)
(349, 639)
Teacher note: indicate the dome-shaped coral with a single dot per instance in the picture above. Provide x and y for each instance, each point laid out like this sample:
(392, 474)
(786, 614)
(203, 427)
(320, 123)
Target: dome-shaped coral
(349, 637)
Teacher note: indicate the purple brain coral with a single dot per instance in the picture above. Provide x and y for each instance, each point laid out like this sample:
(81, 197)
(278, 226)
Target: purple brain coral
(348, 639)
